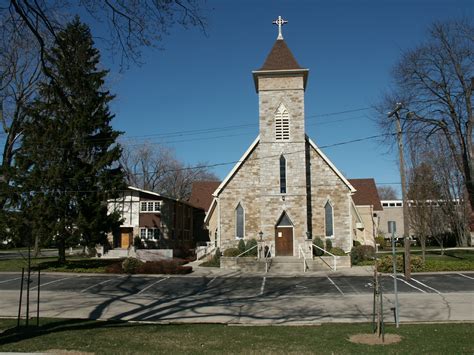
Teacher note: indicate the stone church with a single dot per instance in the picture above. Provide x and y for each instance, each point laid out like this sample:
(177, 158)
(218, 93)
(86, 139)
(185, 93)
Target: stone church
(284, 188)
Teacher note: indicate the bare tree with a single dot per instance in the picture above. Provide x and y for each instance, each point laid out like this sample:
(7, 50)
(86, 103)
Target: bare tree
(433, 81)
(156, 168)
(387, 192)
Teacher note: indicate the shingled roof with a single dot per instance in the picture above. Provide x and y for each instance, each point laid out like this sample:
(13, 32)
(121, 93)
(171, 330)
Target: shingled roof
(280, 58)
(366, 193)
(201, 193)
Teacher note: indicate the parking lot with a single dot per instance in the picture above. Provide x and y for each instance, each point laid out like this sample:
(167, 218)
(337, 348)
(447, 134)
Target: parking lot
(242, 299)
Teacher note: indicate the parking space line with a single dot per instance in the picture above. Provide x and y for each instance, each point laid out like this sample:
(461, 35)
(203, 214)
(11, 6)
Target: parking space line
(469, 277)
(262, 288)
(18, 278)
(153, 284)
(409, 284)
(210, 282)
(52, 282)
(425, 285)
(100, 283)
(334, 284)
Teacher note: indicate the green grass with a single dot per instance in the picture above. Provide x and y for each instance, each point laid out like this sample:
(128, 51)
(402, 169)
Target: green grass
(125, 338)
(73, 264)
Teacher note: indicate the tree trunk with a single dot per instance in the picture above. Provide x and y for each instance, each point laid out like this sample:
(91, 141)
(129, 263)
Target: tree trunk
(423, 247)
(61, 251)
(37, 249)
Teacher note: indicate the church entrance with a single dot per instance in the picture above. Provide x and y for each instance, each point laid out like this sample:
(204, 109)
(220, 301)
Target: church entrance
(284, 236)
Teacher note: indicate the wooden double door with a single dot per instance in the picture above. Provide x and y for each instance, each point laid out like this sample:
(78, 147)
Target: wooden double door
(284, 241)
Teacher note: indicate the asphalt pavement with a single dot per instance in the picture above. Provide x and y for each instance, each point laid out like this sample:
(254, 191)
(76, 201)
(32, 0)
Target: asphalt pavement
(243, 298)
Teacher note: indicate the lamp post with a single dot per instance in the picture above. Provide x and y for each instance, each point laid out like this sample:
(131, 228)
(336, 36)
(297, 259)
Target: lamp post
(260, 247)
(260, 235)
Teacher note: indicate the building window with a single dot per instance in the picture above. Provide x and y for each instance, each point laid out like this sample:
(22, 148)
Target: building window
(329, 220)
(239, 217)
(150, 233)
(282, 175)
(282, 124)
(150, 206)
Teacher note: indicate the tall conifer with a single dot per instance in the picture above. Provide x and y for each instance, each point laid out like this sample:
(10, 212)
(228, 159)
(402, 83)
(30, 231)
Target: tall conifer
(68, 164)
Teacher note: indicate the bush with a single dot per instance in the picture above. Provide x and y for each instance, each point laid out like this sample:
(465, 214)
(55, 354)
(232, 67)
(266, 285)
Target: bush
(380, 241)
(250, 244)
(241, 246)
(232, 252)
(215, 261)
(137, 242)
(362, 253)
(338, 251)
(356, 243)
(385, 264)
(328, 244)
(164, 267)
(318, 242)
(131, 265)
(115, 268)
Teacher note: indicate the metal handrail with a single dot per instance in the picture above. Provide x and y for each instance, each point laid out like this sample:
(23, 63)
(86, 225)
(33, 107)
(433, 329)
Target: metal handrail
(300, 251)
(247, 251)
(325, 251)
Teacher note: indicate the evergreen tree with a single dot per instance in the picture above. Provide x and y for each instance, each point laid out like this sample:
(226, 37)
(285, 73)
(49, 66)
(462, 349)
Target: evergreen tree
(67, 167)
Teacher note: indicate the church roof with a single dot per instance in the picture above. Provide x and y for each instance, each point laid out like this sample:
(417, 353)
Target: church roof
(280, 58)
(366, 193)
(201, 193)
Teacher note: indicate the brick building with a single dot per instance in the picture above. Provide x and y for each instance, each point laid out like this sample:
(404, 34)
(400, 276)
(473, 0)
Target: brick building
(283, 186)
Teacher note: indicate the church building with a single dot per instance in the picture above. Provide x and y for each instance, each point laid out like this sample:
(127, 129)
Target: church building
(283, 189)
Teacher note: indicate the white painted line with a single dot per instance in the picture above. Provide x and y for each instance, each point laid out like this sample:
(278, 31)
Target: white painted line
(210, 282)
(469, 277)
(2, 282)
(52, 282)
(97, 284)
(416, 288)
(262, 288)
(425, 285)
(153, 284)
(334, 284)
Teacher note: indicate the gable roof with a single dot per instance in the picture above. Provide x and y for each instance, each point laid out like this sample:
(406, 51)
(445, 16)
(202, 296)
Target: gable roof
(201, 193)
(366, 193)
(280, 58)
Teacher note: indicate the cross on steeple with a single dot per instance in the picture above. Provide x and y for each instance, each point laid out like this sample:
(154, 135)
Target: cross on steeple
(280, 22)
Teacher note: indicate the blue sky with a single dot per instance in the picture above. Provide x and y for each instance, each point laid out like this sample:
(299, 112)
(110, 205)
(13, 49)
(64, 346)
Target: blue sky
(205, 82)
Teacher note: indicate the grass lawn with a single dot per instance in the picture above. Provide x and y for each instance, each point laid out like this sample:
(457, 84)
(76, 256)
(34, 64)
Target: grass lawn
(120, 337)
(73, 264)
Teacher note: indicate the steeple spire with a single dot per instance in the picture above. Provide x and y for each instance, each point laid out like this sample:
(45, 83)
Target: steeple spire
(279, 22)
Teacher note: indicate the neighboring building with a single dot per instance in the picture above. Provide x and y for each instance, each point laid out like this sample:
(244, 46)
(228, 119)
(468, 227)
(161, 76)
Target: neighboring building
(283, 186)
(367, 211)
(392, 211)
(201, 197)
(166, 222)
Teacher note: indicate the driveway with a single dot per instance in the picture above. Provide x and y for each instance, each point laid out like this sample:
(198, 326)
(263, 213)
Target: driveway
(247, 299)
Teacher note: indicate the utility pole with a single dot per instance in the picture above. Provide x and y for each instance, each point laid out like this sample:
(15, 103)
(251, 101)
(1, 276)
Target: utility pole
(406, 223)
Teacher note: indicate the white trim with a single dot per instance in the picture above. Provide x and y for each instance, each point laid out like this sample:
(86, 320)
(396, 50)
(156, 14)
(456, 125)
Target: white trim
(331, 165)
(356, 211)
(145, 191)
(210, 211)
(236, 167)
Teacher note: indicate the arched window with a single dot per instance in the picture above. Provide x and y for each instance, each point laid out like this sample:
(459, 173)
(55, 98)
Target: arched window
(282, 175)
(239, 222)
(282, 124)
(329, 220)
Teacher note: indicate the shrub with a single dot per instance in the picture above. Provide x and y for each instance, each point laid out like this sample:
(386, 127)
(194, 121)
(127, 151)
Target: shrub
(115, 268)
(338, 251)
(356, 243)
(362, 253)
(385, 264)
(241, 246)
(137, 242)
(131, 265)
(232, 252)
(164, 267)
(380, 241)
(151, 244)
(328, 244)
(250, 244)
(318, 242)
(215, 261)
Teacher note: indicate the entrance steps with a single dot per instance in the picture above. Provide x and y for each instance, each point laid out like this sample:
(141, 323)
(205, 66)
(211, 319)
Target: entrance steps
(117, 254)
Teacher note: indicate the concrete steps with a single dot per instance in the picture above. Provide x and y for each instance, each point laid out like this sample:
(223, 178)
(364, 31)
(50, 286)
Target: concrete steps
(116, 254)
